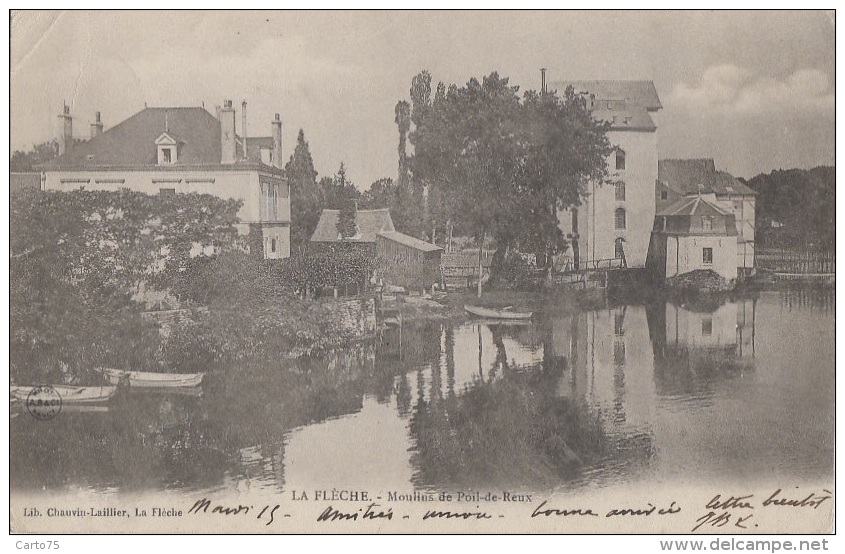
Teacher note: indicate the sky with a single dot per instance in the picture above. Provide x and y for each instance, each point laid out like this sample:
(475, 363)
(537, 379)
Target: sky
(754, 90)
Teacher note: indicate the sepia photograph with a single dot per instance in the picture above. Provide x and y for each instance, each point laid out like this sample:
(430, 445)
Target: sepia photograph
(426, 272)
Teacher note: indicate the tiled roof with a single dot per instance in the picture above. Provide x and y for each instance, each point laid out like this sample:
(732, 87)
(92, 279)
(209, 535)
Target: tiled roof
(132, 142)
(410, 241)
(685, 176)
(369, 223)
(637, 93)
(692, 206)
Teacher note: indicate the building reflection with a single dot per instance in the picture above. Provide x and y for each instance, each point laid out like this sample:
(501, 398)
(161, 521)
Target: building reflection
(700, 346)
(609, 362)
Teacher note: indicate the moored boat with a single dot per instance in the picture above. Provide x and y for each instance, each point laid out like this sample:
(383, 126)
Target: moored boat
(148, 379)
(69, 395)
(504, 313)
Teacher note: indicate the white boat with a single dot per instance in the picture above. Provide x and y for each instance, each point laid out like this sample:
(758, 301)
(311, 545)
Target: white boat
(147, 379)
(503, 313)
(69, 395)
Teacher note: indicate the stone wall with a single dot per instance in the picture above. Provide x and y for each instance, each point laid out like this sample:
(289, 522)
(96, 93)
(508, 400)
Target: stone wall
(351, 318)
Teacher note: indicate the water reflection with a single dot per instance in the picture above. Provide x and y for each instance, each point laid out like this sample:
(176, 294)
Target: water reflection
(625, 393)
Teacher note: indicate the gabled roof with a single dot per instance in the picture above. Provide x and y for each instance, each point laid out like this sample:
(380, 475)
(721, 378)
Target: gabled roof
(410, 241)
(637, 93)
(685, 176)
(132, 142)
(696, 205)
(369, 223)
(166, 139)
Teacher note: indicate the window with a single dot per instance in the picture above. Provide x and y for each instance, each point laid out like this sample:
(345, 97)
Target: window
(166, 192)
(167, 155)
(664, 195)
(273, 245)
(609, 105)
(620, 159)
(619, 218)
(620, 191)
(707, 326)
(707, 223)
(269, 200)
(707, 255)
(619, 247)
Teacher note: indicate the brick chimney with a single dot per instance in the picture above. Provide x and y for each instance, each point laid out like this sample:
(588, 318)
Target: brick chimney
(277, 142)
(227, 133)
(97, 126)
(65, 130)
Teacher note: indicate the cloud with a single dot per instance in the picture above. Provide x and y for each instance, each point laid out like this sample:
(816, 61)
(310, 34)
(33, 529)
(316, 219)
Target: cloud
(733, 90)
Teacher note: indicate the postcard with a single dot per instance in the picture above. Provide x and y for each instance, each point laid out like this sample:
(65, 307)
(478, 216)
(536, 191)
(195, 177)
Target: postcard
(422, 272)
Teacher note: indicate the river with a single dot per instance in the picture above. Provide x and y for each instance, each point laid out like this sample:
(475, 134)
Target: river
(628, 394)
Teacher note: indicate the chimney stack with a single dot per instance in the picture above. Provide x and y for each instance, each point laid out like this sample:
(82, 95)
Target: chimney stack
(543, 80)
(243, 124)
(97, 126)
(277, 142)
(227, 133)
(65, 131)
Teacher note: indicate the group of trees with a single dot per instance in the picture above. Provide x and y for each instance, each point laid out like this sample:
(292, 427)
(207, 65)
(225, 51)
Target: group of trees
(796, 209)
(76, 259)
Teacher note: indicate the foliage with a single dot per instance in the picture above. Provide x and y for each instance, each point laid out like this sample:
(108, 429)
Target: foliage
(803, 201)
(332, 265)
(26, 161)
(346, 219)
(497, 164)
(338, 189)
(76, 258)
(105, 238)
(306, 195)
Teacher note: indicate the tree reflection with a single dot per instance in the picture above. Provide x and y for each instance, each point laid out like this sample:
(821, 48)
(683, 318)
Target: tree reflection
(508, 431)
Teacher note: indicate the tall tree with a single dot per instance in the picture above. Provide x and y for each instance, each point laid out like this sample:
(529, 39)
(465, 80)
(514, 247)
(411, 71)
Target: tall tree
(403, 121)
(501, 166)
(306, 194)
(338, 189)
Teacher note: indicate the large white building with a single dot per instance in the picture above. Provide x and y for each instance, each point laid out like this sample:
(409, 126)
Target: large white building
(615, 222)
(183, 150)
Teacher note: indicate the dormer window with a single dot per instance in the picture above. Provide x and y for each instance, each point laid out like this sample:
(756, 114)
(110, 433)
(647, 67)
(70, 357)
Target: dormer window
(168, 149)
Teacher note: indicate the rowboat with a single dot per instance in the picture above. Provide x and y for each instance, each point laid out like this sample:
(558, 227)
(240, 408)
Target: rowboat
(147, 379)
(69, 395)
(504, 313)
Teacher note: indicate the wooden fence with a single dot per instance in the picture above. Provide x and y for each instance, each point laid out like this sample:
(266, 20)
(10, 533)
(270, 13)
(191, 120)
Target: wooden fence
(791, 261)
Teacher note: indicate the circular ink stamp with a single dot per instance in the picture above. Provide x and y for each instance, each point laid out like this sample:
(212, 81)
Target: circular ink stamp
(43, 402)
